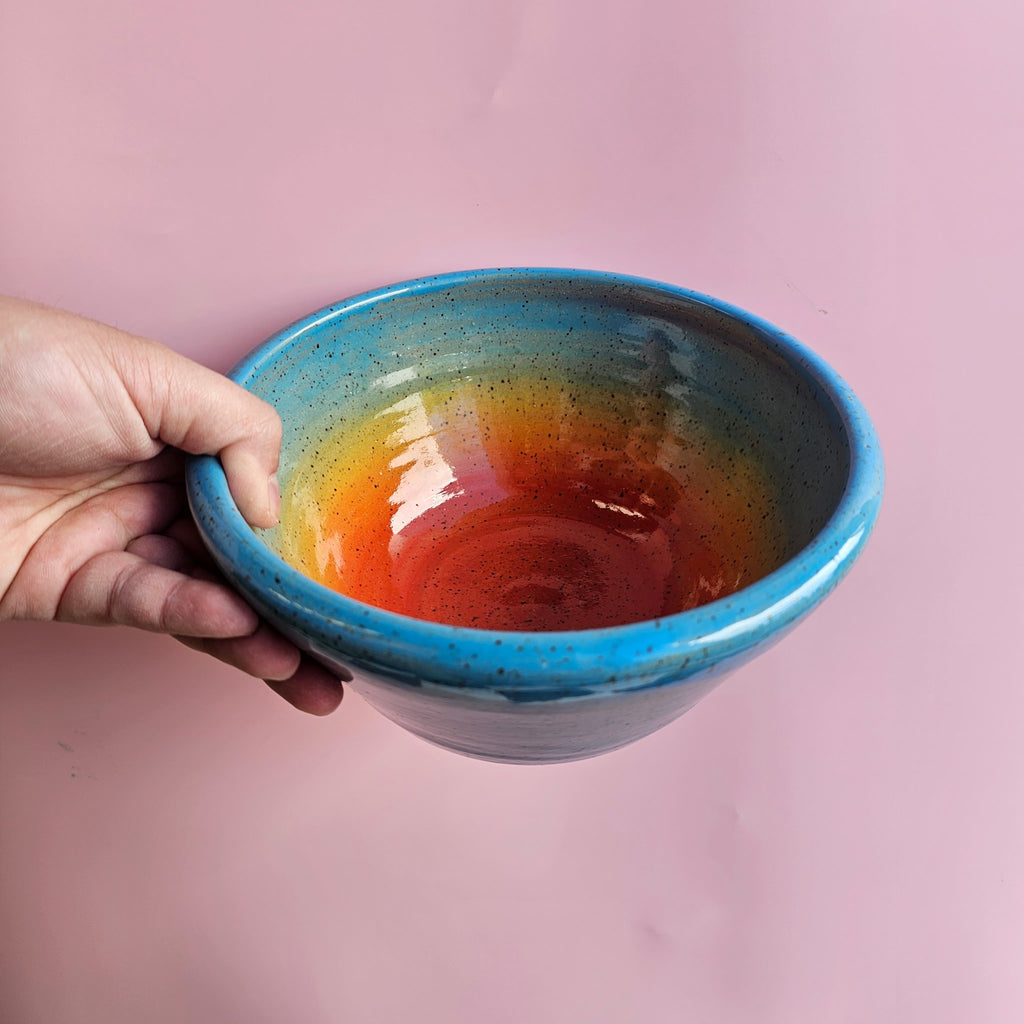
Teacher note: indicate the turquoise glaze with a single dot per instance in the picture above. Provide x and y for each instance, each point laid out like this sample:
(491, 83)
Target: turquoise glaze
(542, 697)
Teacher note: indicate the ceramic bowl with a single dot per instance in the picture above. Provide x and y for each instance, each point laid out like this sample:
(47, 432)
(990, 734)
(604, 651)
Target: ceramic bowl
(734, 399)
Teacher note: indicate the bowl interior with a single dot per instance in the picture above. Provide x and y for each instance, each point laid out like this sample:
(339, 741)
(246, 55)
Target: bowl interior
(439, 440)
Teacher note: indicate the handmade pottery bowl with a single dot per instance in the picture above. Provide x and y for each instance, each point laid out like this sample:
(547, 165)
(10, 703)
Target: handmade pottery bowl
(537, 514)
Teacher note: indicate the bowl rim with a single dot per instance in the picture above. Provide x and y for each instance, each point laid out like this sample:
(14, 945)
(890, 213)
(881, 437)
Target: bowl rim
(564, 663)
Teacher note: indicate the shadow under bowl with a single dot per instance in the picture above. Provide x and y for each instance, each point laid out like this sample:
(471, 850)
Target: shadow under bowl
(537, 514)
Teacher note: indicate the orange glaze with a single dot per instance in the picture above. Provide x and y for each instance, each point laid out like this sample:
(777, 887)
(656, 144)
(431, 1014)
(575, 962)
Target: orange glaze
(530, 504)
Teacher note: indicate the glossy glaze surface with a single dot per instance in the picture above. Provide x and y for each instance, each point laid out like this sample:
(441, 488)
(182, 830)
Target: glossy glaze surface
(532, 503)
(538, 695)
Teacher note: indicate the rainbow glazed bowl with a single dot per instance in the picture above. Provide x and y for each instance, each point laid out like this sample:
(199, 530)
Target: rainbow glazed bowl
(694, 405)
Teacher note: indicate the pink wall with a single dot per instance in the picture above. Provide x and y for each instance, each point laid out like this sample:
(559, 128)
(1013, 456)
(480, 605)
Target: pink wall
(836, 835)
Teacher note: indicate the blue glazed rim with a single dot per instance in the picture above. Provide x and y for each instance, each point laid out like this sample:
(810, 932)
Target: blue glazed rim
(538, 666)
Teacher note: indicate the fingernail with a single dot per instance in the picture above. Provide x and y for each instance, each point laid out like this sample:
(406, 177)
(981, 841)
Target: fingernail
(274, 498)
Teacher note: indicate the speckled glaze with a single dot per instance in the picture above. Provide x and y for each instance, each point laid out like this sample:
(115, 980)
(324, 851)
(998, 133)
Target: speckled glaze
(535, 697)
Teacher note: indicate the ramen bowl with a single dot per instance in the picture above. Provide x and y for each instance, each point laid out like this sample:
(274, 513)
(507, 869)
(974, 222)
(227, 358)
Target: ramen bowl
(537, 514)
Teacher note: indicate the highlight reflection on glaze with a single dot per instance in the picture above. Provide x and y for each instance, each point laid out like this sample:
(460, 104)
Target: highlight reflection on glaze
(531, 504)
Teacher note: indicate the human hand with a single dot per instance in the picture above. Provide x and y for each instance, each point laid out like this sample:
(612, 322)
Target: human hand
(94, 523)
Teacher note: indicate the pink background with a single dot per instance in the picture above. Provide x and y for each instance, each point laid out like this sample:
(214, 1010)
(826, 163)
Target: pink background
(836, 835)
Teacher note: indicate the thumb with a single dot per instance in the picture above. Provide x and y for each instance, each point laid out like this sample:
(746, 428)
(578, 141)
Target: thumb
(203, 413)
